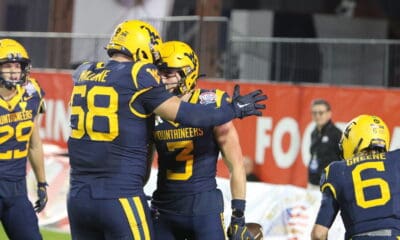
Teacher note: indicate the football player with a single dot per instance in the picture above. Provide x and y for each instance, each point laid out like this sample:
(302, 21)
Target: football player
(365, 186)
(187, 203)
(112, 106)
(21, 100)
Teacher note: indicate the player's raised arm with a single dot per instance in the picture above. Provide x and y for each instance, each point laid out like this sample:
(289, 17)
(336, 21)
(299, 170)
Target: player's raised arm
(205, 116)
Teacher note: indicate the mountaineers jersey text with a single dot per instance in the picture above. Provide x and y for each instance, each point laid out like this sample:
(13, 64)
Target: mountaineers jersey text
(16, 125)
(186, 154)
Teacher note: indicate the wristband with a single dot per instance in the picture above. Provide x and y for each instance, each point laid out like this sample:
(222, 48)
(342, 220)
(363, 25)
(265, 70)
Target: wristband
(42, 184)
(238, 206)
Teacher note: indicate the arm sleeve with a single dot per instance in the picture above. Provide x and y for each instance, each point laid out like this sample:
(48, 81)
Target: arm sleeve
(328, 210)
(154, 97)
(197, 115)
(152, 92)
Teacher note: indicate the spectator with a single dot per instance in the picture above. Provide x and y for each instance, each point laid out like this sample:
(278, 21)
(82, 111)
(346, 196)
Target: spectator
(324, 141)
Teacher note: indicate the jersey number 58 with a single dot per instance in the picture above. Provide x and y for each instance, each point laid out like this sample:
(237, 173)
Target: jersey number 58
(85, 120)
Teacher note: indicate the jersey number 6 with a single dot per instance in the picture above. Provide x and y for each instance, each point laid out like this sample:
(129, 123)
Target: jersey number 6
(360, 185)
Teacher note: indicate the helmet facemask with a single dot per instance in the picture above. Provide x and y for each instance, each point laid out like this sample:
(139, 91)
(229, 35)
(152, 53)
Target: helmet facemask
(185, 85)
(167, 72)
(24, 74)
(155, 53)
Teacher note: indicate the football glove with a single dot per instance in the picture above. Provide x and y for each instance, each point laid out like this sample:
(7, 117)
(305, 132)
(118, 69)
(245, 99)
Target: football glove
(247, 105)
(42, 197)
(237, 230)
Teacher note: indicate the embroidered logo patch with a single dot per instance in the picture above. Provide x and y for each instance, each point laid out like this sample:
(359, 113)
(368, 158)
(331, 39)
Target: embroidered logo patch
(207, 98)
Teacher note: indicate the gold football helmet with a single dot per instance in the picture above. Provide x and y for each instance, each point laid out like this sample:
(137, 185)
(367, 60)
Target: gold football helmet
(364, 131)
(13, 51)
(179, 56)
(136, 39)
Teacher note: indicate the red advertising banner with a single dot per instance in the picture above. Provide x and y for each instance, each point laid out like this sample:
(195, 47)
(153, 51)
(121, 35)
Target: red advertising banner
(55, 123)
(278, 141)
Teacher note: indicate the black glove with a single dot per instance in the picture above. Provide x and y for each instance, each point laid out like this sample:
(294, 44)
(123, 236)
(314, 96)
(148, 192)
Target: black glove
(237, 230)
(247, 105)
(42, 195)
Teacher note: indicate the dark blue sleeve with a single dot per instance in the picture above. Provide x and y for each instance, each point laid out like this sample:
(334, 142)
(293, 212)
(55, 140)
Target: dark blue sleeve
(328, 210)
(197, 115)
(154, 97)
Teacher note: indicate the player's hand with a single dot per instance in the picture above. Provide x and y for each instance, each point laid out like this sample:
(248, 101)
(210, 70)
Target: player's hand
(237, 230)
(42, 197)
(249, 104)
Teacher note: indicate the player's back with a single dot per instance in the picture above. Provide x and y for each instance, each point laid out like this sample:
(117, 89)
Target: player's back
(367, 188)
(110, 126)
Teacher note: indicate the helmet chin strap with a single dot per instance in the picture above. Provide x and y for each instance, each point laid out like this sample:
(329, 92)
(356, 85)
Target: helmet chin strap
(8, 84)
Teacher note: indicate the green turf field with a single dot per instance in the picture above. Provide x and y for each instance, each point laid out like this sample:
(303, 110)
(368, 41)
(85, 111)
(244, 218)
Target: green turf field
(47, 235)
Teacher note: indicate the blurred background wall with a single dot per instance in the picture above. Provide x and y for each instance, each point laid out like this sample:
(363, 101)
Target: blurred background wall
(349, 42)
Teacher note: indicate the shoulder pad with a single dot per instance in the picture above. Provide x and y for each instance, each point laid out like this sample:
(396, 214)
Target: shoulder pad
(206, 97)
(145, 75)
(32, 87)
(84, 66)
(329, 177)
(324, 176)
(393, 152)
